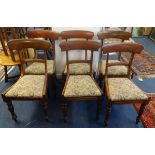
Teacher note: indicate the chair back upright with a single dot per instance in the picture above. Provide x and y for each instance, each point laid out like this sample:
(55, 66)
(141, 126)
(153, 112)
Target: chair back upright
(79, 45)
(131, 48)
(21, 46)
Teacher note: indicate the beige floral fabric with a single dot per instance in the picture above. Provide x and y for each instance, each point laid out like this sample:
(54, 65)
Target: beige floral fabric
(121, 89)
(78, 68)
(113, 70)
(129, 41)
(39, 68)
(115, 41)
(81, 85)
(112, 41)
(28, 86)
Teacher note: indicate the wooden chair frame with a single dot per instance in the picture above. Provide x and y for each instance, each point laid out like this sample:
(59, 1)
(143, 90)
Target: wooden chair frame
(19, 45)
(79, 45)
(76, 34)
(52, 36)
(122, 35)
(124, 47)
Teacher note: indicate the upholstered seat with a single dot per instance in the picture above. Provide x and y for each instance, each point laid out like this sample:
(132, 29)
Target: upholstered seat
(39, 68)
(28, 86)
(112, 41)
(115, 41)
(80, 86)
(78, 68)
(113, 70)
(121, 89)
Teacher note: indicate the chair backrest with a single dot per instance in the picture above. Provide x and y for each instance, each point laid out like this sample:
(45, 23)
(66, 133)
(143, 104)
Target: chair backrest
(21, 46)
(121, 35)
(114, 35)
(80, 46)
(131, 48)
(52, 36)
(47, 34)
(77, 34)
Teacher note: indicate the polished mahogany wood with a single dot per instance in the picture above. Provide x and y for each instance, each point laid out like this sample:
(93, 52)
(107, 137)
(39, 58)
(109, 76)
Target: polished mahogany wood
(18, 44)
(114, 34)
(123, 47)
(43, 34)
(70, 34)
(80, 45)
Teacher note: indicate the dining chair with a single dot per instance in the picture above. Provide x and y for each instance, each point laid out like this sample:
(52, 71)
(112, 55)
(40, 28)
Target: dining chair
(28, 87)
(51, 36)
(121, 90)
(77, 68)
(109, 38)
(80, 87)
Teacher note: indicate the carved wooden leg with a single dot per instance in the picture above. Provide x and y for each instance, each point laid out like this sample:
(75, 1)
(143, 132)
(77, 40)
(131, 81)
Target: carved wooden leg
(99, 106)
(65, 110)
(108, 110)
(141, 111)
(45, 109)
(11, 109)
(6, 74)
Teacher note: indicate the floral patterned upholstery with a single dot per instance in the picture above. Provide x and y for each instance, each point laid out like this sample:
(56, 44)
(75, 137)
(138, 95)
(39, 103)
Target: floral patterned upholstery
(78, 68)
(81, 85)
(129, 41)
(121, 89)
(113, 70)
(115, 41)
(112, 41)
(39, 68)
(28, 86)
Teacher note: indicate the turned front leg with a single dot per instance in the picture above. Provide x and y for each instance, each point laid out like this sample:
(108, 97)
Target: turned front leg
(108, 111)
(45, 109)
(99, 106)
(65, 110)
(141, 110)
(11, 109)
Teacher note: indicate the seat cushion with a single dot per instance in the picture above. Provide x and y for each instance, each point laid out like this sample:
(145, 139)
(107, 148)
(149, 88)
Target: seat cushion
(112, 41)
(81, 85)
(113, 70)
(78, 68)
(39, 68)
(121, 89)
(28, 86)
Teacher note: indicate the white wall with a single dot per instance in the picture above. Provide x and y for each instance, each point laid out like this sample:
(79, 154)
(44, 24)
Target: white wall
(61, 57)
